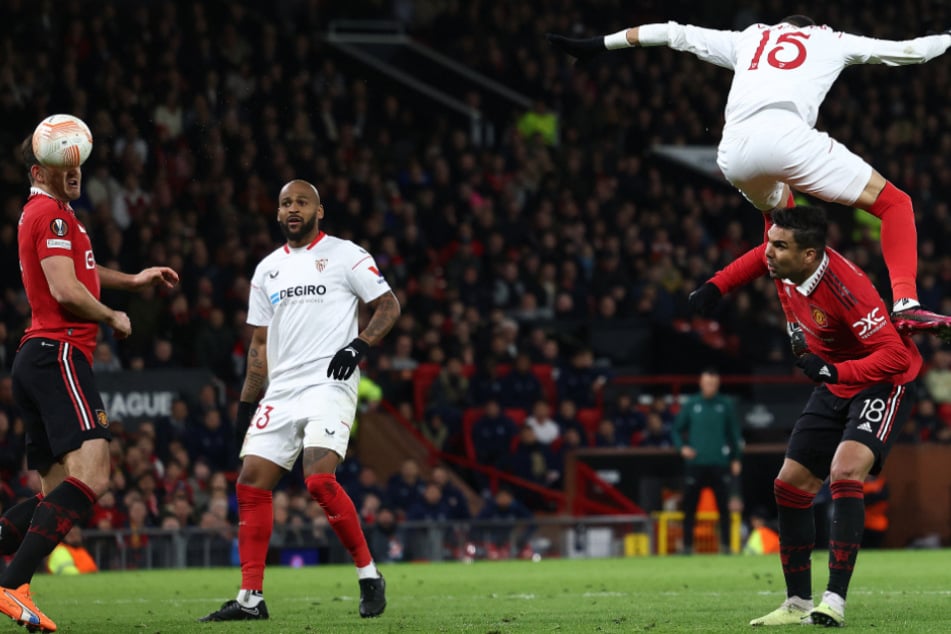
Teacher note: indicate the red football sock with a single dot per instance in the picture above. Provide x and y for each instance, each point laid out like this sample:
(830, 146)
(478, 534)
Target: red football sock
(256, 520)
(341, 514)
(899, 240)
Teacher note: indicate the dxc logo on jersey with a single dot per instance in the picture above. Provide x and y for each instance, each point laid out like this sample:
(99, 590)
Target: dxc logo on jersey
(303, 290)
(869, 324)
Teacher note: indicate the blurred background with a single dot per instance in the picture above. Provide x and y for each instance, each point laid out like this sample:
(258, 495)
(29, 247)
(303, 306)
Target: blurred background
(542, 224)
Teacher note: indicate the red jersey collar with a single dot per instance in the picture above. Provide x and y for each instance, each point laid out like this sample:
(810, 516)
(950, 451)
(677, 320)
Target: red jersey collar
(320, 236)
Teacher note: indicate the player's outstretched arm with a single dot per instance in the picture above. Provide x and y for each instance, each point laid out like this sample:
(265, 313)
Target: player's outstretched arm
(152, 276)
(587, 47)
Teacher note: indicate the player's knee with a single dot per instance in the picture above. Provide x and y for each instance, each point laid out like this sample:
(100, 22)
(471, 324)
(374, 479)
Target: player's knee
(848, 471)
(323, 487)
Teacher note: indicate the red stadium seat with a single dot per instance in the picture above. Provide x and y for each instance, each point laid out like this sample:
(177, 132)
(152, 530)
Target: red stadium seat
(517, 414)
(589, 417)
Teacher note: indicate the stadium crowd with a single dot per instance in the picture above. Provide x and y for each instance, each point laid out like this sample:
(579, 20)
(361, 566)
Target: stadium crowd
(203, 115)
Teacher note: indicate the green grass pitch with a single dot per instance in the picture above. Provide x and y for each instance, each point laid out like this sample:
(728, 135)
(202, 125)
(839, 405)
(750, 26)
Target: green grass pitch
(892, 591)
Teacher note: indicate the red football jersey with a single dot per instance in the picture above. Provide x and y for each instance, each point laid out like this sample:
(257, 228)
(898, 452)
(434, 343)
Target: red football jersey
(48, 227)
(846, 323)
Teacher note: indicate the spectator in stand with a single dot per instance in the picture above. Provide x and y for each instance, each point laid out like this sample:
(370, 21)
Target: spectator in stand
(104, 358)
(137, 539)
(369, 508)
(580, 381)
(434, 429)
(213, 343)
(385, 537)
(657, 433)
(213, 441)
(532, 461)
(570, 441)
(452, 495)
(628, 420)
(174, 427)
(449, 392)
(520, 387)
(485, 384)
(149, 495)
(431, 507)
(546, 429)
(405, 487)
(930, 424)
(937, 378)
(367, 484)
(106, 515)
(567, 418)
(70, 557)
(605, 435)
(492, 435)
(506, 526)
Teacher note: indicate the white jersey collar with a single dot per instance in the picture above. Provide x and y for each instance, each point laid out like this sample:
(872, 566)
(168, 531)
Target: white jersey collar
(808, 286)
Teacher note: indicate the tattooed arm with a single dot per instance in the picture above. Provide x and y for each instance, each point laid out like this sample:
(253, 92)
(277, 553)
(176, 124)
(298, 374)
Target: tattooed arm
(386, 310)
(255, 379)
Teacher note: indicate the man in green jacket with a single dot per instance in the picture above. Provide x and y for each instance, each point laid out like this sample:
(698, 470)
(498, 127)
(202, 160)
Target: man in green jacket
(707, 434)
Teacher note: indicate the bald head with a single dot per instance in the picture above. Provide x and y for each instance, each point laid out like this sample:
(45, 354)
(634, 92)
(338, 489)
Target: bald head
(297, 182)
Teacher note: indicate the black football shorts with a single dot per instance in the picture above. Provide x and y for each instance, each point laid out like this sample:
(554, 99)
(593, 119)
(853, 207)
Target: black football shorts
(53, 385)
(872, 417)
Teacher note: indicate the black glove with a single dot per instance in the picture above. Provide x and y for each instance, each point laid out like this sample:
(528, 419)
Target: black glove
(583, 48)
(704, 300)
(347, 359)
(797, 339)
(818, 370)
(243, 420)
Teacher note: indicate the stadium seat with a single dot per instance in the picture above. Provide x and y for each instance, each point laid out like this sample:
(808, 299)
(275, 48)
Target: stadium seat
(517, 414)
(589, 417)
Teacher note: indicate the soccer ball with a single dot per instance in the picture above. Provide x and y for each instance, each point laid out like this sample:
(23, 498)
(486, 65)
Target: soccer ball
(62, 140)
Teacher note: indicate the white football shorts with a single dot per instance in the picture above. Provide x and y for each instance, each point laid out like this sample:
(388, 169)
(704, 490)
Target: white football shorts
(313, 416)
(775, 146)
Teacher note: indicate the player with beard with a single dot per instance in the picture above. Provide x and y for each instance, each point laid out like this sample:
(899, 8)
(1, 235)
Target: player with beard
(866, 376)
(305, 349)
(67, 430)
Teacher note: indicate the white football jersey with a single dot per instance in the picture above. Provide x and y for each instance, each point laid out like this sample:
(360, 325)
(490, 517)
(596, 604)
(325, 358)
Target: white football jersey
(793, 67)
(308, 298)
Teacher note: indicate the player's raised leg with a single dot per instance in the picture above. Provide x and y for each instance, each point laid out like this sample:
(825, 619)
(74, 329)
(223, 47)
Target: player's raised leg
(900, 250)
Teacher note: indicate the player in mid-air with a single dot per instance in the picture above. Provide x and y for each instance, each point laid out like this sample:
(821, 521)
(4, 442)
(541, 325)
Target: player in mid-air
(782, 73)
(305, 349)
(67, 430)
(866, 372)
